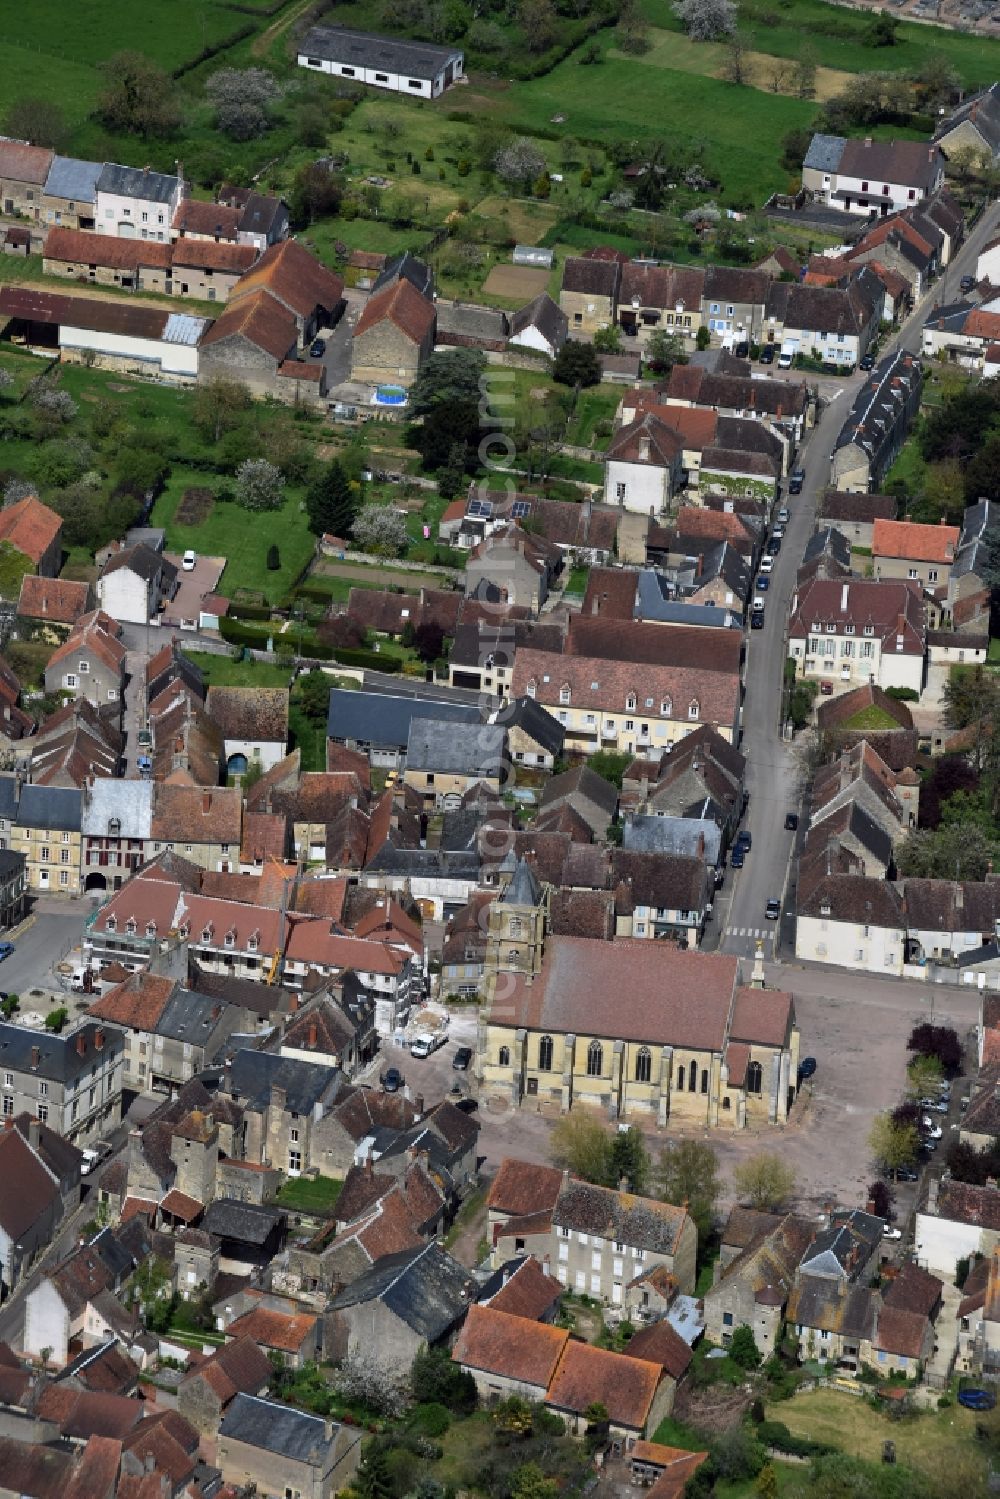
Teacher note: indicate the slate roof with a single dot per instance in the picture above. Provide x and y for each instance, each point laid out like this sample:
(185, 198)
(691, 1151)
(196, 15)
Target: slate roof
(828, 1305)
(384, 719)
(532, 719)
(545, 315)
(426, 1289)
(842, 505)
(469, 749)
(909, 163)
(243, 1221)
(599, 278)
(278, 1429)
(824, 153)
(72, 179)
(982, 112)
(58, 1058)
(136, 182)
(253, 1074)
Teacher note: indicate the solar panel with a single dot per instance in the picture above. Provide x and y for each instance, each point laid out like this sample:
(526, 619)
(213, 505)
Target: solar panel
(520, 508)
(487, 508)
(474, 507)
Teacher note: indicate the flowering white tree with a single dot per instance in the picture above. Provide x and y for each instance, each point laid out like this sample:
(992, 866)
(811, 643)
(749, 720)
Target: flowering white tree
(381, 530)
(241, 97)
(706, 20)
(259, 485)
(518, 162)
(367, 1379)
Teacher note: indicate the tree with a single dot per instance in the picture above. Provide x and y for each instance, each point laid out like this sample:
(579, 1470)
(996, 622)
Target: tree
(736, 61)
(260, 485)
(539, 22)
(273, 559)
(942, 493)
(766, 1486)
(629, 1161)
(706, 20)
(138, 97)
(970, 697)
(372, 1381)
(381, 530)
(937, 79)
(610, 765)
(577, 364)
(892, 1143)
(689, 1172)
(373, 1479)
(315, 193)
(939, 1041)
(331, 502)
(880, 1197)
(581, 1145)
(56, 1019)
(955, 851)
(703, 338)
(519, 162)
(743, 1349)
(445, 429)
(804, 72)
(881, 31)
(447, 377)
(923, 1076)
(219, 406)
(428, 640)
(241, 98)
(736, 1454)
(434, 1376)
(529, 1482)
(632, 31)
(39, 120)
(664, 349)
(608, 340)
(764, 1181)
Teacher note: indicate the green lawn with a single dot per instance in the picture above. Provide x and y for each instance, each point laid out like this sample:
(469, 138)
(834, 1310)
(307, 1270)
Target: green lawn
(908, 467)
(13, 566)
(223, 671)
(598, 404)
(871, 717)
(243, 539)
(310, 1194)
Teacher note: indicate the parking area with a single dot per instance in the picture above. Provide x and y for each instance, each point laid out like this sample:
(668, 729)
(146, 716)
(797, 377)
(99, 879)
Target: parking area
(184, 609)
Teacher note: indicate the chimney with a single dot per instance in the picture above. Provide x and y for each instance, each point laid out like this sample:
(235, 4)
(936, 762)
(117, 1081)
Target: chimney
(34, 1132)
(644, 448)
(418, 1104)
(81, 1044)
(313, 1036)
(369, 1166)
(206, 802)
(701, 845)
(99, 1038)
(36, 1056)
(845, 594)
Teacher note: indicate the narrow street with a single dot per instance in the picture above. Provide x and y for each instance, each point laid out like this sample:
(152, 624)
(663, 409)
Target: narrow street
(773, 773)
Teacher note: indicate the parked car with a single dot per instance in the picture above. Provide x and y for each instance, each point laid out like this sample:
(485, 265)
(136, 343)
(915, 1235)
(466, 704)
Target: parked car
(784, 514)
(867, 363)
(391, 1080)
(807, 1067)
(778, 530)
(907, 1174)
(763, 583)
(889, 1231)
(796, 479)
(826, 688)
(773, 909)
(967, 283)
(767, 564)
(791, 821)
(773, 546)
(767, 354)
(744, 840)
(462, 1059)
(188, 561)
(317, 348)
(933, 1131)
(757, 620)
(936, 1105)
(6, 948)
(736, 857)
(758, 604)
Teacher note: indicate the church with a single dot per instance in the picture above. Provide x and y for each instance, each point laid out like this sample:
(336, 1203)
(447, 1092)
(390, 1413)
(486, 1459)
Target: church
(642, 1031)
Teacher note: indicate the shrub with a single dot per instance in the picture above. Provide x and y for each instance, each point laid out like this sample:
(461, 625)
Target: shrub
(430, 1420)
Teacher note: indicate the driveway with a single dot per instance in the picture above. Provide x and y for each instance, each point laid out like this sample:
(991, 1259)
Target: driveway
(185, 606)
(337, 359)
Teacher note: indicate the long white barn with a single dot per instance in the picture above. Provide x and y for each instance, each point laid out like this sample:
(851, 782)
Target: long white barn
(403, 67)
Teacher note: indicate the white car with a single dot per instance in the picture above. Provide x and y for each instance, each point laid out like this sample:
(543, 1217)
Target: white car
(932, 1130)
(767, 564)
(758, 603)
(783, 515)
(188, 561)
(889, 1231)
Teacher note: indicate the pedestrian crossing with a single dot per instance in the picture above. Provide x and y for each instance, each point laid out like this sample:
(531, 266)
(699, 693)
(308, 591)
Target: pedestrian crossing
(751, 932)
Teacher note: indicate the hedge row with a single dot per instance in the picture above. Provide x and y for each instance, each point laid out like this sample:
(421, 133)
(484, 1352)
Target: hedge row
(369, 660)
(248, 611)
(776, 1434)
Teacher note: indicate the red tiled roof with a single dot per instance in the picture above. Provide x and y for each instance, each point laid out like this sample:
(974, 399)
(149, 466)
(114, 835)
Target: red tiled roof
(294, 277)
(30, 527)
(20, 162)
(58, 600)
(137, 1003)
(511, 1347)
(521, 1187)
(914, 543)
(660, 1344)
(606, 685)
(194, 216)
(761, 1015)
(589, 1376)
(529, 1292)
(404, 306)
(28, 1190)
(180, 1205)
(76, 246)
(261, 320)
(273, 1329)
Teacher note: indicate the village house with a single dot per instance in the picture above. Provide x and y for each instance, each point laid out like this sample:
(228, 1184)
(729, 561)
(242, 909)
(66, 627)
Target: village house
(652, 297)
(974, 124)
(444, 759)
(207, 1390)
(403, 67)
(644, 466)
(91, 662)
(36, 531)
(541, 326)
(183, 268)
(833, 323)
(278, 1448)
(408, 1301)
(855, 513)
(43, 825)
(963, 333)
(859, 631)
(394, 335)
(589, 293)
(69, 196)
(253, 722)
(135, 584)
(136, 203)
(31, 1204)
(870, 176)
(23, 172)
(877, 424)
(904, 549)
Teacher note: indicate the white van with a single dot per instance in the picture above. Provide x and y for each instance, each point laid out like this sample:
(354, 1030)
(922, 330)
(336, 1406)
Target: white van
(78, 981)
(423, 1045)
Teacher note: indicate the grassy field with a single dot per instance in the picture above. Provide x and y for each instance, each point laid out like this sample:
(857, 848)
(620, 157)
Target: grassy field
(931, 1442)
(310, 1194)
(241, 538)
(223, 671)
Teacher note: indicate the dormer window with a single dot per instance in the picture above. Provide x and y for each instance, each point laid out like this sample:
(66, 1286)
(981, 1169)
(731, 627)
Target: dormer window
(630, 703)
(824, 909)
(564, 693)
(831, 629)
(112, 924)
(185, 929)
(150, 928)
(206, 934)
(114, 827)
(649, 702)
(230, 938)
(666, 707)
(253, 941)
(848, 629)
(130, 926)
(869, 629)
(693, 708)
(531, 687)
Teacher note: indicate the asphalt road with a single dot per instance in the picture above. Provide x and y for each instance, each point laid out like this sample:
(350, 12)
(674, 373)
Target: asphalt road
(55, 929)
(773, 770)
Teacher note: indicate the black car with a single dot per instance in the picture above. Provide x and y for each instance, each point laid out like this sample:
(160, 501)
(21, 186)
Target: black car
(867, 363)
(907, 1174)
(391, 1080)
(742, 350)
(736, 858)
(967, 283)
(773, 909)
(317, 348)
(796, 481)
(767, 354)
(807, 1067)
(757, 619)
(791, 821)
(744, 840)
(773, 546)
(462, 1059)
